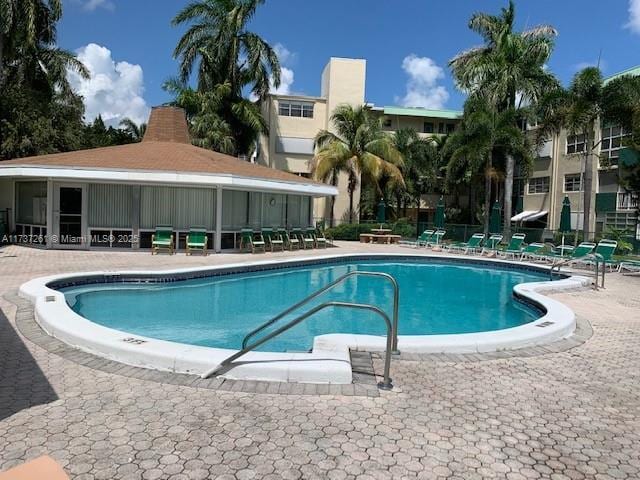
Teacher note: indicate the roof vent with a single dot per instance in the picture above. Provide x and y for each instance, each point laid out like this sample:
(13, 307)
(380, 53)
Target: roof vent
(167, 124)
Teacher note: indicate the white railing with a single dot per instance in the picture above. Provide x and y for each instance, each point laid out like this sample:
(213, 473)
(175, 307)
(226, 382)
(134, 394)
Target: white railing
(628, 201)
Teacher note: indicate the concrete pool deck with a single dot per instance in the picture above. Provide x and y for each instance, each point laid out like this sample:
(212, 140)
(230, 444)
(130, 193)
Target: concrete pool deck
(572, 414)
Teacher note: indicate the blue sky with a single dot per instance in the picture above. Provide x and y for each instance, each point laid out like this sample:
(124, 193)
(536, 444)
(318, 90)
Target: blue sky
(407, 44)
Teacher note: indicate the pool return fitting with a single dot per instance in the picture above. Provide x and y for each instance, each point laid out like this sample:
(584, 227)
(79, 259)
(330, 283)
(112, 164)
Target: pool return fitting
(392, 327)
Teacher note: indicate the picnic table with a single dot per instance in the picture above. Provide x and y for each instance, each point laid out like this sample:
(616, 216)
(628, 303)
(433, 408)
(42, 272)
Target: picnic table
(387, 238)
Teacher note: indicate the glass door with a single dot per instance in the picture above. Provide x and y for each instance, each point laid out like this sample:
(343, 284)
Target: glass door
(70, 220)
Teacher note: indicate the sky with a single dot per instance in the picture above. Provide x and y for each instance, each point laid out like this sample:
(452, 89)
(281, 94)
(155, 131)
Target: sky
(128, 45)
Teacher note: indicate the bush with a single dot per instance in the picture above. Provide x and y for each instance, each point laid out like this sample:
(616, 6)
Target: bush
(403, 228)
(348, 231)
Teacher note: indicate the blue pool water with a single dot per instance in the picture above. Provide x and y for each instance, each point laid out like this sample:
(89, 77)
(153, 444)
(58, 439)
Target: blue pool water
(435, 298)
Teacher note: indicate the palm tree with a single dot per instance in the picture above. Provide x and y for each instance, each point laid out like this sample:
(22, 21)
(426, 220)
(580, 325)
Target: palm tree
(577, 109)
(509, 70)
(358, 147)
(219, 119)
(218, 41)
(23, 22)
(485, 136)
(621, 105)
(420, 168)
(132, 128)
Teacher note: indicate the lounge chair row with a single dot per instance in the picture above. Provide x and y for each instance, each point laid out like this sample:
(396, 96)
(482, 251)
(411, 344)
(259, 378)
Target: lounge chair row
(250, 240)
(536, 251)
(282, 239)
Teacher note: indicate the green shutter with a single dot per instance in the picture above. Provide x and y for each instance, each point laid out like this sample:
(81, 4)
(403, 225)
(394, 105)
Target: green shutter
(606, 202)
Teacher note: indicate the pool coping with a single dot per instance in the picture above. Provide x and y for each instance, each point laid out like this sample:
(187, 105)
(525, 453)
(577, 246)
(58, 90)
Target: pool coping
(329, 361)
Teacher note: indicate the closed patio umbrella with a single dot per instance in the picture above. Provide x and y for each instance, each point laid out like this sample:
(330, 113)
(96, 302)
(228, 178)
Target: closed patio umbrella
(382, 213)
(565, 218)
(438, 221)
(495, 223)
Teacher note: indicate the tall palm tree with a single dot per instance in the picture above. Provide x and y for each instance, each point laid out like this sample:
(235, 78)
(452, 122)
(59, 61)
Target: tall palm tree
(577, 109)
(219, 119)
(485, 136)
(132, 128)
(359, 147)
(23, 23)
(218, 41)
(509, 70)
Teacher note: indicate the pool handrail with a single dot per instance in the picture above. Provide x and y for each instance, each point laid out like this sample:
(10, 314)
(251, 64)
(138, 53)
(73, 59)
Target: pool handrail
(598, 259)
(317, 293)
(386, 382)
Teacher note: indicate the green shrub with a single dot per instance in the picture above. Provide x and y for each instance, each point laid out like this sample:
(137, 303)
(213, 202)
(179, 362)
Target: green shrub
(403, 228)
(348, 231)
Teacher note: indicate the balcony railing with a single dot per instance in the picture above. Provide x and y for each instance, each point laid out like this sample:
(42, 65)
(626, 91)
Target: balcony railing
(628, 201)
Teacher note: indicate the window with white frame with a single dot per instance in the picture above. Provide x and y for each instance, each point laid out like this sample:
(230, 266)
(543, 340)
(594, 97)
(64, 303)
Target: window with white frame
(576, 144)
(573, 182)
(611, 143)
(539, 185)
(295, 109)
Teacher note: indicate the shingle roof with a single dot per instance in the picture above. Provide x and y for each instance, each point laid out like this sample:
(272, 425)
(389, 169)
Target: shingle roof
(158, 156)
(166, 148)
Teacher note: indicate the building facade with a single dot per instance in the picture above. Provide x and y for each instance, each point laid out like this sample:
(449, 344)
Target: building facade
(294, 120)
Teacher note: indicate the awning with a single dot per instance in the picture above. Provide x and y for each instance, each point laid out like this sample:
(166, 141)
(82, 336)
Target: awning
(528, 216)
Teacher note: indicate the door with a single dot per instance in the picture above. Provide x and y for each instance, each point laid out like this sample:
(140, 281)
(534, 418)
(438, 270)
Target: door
(69, 216)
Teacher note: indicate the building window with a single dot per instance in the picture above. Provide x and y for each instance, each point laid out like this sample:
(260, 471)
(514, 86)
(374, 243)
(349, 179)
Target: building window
(441, 128)
(518, 187)
(428, 127)
(611, 143)
(450, 128)
(295, 109)
(539, 185)
(386, 123)
(576, 144)
(572, 182)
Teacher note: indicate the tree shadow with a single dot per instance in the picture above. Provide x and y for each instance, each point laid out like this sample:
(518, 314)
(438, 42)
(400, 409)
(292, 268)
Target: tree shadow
(22, 382)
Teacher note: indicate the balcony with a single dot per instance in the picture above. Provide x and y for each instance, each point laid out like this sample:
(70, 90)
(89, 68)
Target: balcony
(628, 201)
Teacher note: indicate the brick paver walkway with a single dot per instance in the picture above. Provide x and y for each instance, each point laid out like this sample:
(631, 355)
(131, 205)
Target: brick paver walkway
(569, 415)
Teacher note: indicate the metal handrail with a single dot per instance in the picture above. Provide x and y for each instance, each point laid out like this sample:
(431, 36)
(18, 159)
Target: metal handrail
(396, 294)
(595, 256)
(386, 382)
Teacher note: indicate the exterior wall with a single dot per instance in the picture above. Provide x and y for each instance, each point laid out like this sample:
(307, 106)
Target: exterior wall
(7, 203)
(556, 163)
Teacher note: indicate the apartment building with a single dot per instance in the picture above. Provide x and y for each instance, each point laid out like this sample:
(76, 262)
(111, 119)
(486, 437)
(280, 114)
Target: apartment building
(294, 120)
(559, 170)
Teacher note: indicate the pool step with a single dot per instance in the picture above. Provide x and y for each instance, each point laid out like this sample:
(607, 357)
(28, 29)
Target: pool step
(362, 368)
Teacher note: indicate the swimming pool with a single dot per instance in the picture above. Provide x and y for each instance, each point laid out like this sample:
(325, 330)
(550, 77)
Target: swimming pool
(436, 298)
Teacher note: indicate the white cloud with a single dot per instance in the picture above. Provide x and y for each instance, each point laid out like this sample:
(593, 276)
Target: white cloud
(287, 76)
(422, 87)
(114, 90)
(286, 80)
(634, 16)
(91, 5)
(285, 55)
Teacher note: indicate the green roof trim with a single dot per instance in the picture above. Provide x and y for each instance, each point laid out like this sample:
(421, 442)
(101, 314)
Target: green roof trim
(422, 112)
(629, 71)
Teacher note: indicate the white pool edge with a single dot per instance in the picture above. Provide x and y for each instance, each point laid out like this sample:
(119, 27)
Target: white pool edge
(329, 361)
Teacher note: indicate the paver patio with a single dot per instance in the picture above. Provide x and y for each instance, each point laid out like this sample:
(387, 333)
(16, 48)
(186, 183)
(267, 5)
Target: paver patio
(568, 415)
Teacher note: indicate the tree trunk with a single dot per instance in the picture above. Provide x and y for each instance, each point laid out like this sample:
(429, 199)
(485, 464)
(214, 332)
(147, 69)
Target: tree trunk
(1, 59)
(487, 202)
(588, 182)
(351, 205)
(334, 182)
(508, 197)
